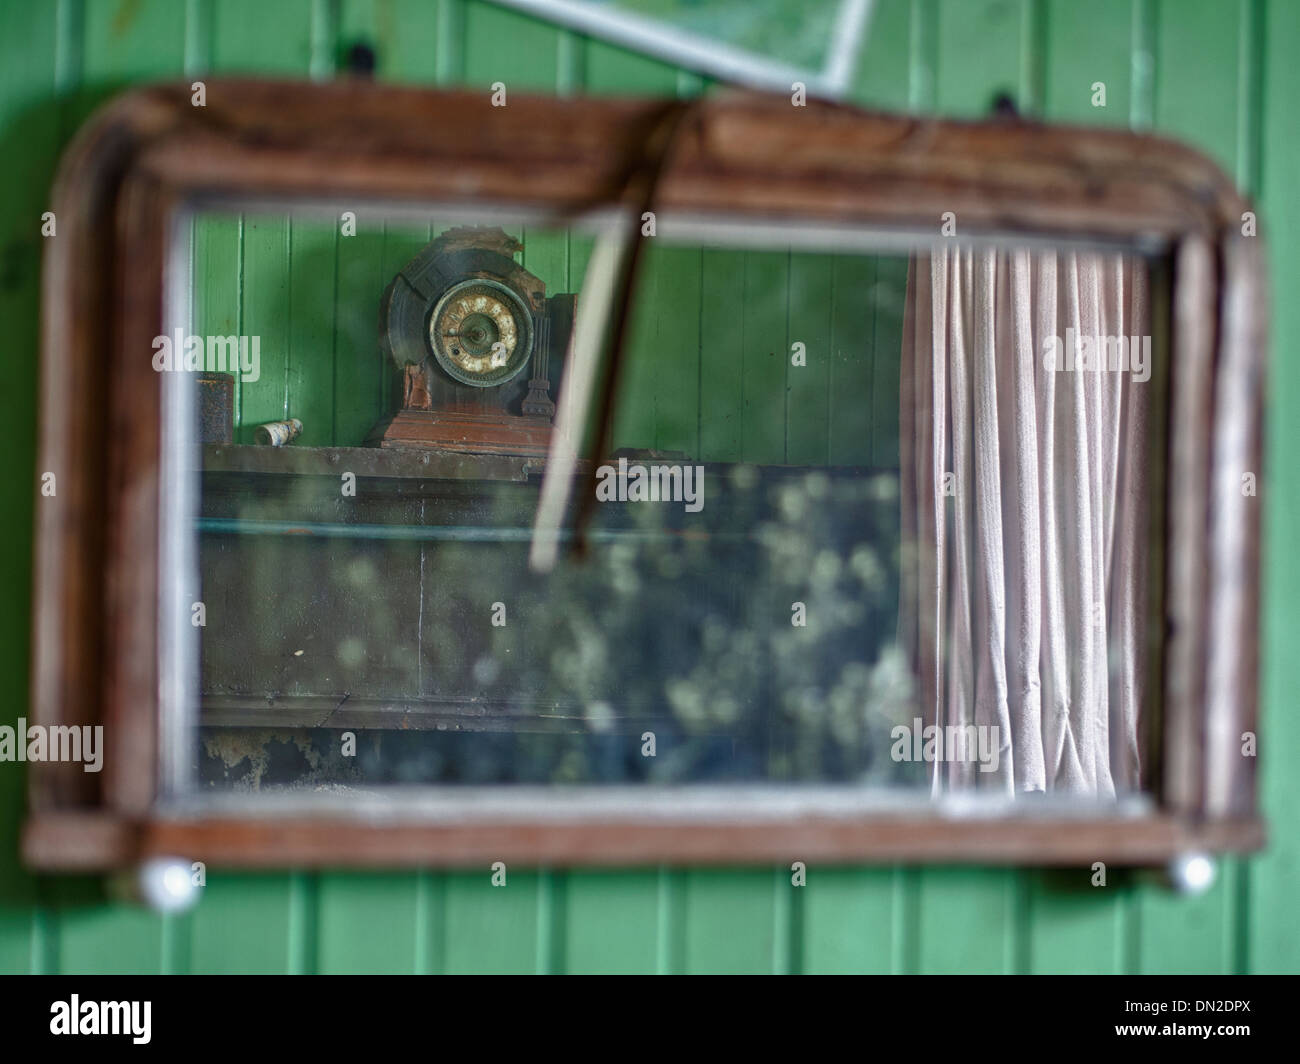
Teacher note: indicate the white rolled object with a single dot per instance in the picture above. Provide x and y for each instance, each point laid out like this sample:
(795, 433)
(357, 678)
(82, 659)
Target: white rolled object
(278, 433)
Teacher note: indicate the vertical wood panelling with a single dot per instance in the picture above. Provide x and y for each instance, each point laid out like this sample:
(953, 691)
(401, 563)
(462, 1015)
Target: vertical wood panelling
(677, 355)
(881, 77)
(1194, 37)
(807, 393)
(981, 47)
(368, 924)
(612, 70)
(614, 923)
(1074, 927)
(1087, 44)
(1274, 933)
(313, 259)
(1217, 72)
(968, 920)
(763, 360)
(634, 410)
(502, 45)
(1191, 38)
(358, 362)
(132, 42)
(730, 920)
(721, 306)
(94, 934)
(489, 929)
(1176, 934)
(252, 36)
(848, 426)
(889, 296)
(264, 314)
(241, 928)
(31, 115)
(853, 921)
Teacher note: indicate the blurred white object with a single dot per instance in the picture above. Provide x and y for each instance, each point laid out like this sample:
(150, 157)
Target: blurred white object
(165, 885)
(1192, 873)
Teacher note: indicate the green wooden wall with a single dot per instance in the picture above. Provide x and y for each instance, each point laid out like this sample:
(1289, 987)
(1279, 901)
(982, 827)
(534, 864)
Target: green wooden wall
(1220, 73)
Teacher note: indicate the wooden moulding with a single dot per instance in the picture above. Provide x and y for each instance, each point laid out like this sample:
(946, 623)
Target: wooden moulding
(150, 154)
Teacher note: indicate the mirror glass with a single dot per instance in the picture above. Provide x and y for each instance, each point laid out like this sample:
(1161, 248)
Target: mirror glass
(874, 512)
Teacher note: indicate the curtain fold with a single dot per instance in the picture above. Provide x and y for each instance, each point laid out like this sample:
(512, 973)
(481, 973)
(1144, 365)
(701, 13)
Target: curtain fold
(1023, 406)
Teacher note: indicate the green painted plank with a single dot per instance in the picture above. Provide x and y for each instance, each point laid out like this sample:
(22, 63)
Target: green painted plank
(504, 46)
(116, 45)
(403, 33)
(1192, 38)
(890, 295)
(358, 361)
(731, 921)
(853, 921)
(677, 355)
(264, 313)
(610, 70)
(849, 429)
(17, 931)
(764, 358)
(245, 36)
(807, 413)
(252, 36)
(612, 922)
(546, 254)
(882, 75)
(492, 930)
(1086, 44)
(94, 936)
(966, 921)
(722, 295)
(1074, 928)
(634, 407)
(241, 925)
(1274, 935)
(30, 124)
(309, 369)
(1176, 934)
(217, 270)
(367, 923)
(981, 52)
(141, 40)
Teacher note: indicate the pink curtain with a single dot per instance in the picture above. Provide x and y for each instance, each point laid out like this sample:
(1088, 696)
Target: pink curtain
(1024, 517)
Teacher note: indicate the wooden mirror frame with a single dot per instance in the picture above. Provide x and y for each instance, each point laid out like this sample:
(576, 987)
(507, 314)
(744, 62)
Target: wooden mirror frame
(149, 155)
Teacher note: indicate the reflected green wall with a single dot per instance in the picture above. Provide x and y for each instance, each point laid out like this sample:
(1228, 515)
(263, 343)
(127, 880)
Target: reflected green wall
(708, 369)
(1220, 73)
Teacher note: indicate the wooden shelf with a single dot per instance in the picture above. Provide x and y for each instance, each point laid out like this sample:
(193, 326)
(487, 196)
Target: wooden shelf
(380, 462)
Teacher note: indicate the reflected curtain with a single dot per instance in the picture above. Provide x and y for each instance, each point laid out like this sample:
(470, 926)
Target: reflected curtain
(1023, 493)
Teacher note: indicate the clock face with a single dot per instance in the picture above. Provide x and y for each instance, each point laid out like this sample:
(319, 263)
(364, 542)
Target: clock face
(481, 333)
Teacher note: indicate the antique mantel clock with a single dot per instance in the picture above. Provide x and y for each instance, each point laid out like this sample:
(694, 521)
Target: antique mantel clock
(479, 344)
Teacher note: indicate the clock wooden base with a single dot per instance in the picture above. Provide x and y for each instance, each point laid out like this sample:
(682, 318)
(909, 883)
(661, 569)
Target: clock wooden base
(446, 430)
